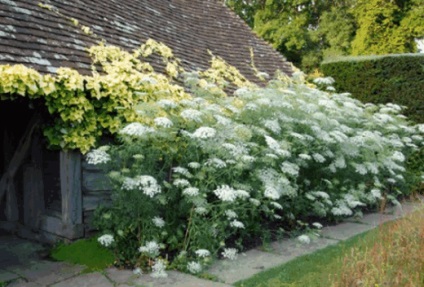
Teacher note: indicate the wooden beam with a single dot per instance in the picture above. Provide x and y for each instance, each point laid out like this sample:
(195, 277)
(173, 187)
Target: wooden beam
(70, 185)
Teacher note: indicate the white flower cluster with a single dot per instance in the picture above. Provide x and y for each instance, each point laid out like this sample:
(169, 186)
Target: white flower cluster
(194, 165)
(305, 239)
(106, 240)
(97, 156)
(136, 129)
(229, 194)
(191, 191)
(276, 147)
(235, 151)
(398, 156)
(146, 183)
(226, 193)
(318, 157)
(230, 214)
(317, 225)
(290, 168)
(158, 221)
(192, 115)
(324, 81)
(276, 205)
(151, 248)
(216, 162)
(222, 120)
(163, 122)
(182, 171)
(271, 192)
(202, 253)
(237, 224)
(204, 133)
(341, 209)
(272, 143)
(158, 269)
(194, 267)
(230, 253)
(181, 182)
(272, 125)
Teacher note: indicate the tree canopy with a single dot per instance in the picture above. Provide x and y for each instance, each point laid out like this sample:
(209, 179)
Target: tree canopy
(306, 31)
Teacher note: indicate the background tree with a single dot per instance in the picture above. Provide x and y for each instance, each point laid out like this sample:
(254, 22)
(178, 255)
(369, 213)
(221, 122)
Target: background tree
(306, 31)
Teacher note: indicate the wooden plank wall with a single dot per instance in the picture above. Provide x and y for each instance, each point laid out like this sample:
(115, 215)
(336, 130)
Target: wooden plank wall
(96, 190)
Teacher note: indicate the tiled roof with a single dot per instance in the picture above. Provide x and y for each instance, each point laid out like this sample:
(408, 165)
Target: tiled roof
(42, 39)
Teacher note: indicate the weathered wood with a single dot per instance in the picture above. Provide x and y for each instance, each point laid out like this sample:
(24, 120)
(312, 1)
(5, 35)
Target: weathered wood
(56, 226)
(12, 212)
(6, 181)
(95, 181)
(33, 195)
(91, 202)
(70, 185)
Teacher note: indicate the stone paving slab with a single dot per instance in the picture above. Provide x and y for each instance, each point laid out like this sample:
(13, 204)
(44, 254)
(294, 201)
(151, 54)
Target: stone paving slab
(23, 283)
(16, 252)
(409, 207)
(345, 230)
(120, 276)
(86, 280)
(246, 265)
(292, 248)
(174, 279)
(47, 272)
(255, 261)
(7, 276)
(374, 219)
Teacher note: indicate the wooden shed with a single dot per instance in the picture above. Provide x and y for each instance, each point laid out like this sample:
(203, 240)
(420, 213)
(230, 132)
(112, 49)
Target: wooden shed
(51, 194)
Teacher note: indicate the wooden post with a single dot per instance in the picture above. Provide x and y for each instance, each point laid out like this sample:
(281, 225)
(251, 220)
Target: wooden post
(33, 195)
(12, 212)
(70, 185)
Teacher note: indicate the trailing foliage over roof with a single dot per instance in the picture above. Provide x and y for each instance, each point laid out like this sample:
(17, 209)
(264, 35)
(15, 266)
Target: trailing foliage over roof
(48, 35)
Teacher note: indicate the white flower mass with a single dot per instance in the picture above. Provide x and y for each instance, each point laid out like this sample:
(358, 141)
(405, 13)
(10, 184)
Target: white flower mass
(273, 154)
(204, 133)
(226, 193)
(97, 156)
(163, 122)
(194, 267)
(202, 253)
(146, 183)
(237, 224)
(158, 269)
(191, 191)
(136, 129)
(305, 239)
(158, 221)
(192, 115)
(152, 248)
(230, 253)
(181, 182)
(106, 240)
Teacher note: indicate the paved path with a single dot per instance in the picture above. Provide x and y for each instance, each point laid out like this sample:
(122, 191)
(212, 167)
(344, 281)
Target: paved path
(21, 265)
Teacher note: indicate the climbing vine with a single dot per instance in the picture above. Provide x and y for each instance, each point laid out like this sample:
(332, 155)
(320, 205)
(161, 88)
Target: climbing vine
(83, 108)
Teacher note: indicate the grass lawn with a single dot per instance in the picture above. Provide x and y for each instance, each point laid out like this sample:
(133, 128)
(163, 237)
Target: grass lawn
(86, 252)
(391, 255)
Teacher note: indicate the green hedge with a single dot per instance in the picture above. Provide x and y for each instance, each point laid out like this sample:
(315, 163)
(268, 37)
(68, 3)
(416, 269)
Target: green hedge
(382, 79)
